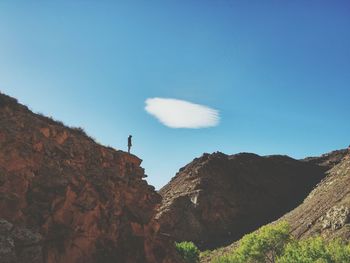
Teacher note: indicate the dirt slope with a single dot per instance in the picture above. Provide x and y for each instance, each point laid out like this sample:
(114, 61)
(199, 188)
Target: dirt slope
(326, 210)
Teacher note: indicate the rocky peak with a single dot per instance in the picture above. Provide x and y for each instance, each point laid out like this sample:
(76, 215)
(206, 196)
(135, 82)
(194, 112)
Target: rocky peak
(217, 197)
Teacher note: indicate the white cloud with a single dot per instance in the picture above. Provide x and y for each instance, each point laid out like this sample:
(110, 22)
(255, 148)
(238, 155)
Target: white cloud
(182, 114)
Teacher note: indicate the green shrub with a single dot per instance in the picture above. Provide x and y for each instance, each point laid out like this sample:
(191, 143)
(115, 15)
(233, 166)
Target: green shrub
(316, 249)
(274, 244)
(188, 251)
(263, 245)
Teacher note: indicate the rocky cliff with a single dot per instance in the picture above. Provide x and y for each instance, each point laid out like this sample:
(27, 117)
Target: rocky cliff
(217, 198)
(66, 199)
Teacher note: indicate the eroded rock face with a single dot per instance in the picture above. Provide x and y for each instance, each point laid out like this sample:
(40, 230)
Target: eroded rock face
(336, 217)
(326, 210)
(87, 202)
(217, 198)
(19, 245)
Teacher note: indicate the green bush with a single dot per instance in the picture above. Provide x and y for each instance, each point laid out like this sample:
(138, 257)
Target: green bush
(188, 251)
(316, 249)
(274, 244)
(263, 245)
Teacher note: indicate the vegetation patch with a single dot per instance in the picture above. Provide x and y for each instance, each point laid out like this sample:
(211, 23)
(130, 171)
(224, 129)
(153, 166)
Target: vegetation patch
(274, 244)
(188, 251)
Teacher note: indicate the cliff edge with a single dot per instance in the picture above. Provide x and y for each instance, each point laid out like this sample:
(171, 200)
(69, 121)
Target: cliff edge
(66, 199)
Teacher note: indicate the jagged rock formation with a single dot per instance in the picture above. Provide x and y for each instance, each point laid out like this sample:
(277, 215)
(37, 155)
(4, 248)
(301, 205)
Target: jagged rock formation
(74, 200)
(326, 210)
(217, 198)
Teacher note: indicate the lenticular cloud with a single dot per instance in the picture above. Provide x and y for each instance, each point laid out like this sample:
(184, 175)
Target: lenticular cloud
(182, 114)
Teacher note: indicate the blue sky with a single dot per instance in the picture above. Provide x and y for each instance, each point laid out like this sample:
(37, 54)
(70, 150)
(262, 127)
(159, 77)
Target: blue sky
(278, 72)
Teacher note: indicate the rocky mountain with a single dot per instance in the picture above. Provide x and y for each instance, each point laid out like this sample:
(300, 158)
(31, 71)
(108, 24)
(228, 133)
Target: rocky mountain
(325, 211)
(217, 198)
(66, 199)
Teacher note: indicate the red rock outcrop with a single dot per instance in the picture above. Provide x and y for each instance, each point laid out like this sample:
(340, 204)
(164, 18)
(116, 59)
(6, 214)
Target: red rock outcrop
(217, 198)
(88, 203)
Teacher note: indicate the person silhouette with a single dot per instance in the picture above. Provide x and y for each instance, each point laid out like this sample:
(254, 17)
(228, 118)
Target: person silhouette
(129, 143)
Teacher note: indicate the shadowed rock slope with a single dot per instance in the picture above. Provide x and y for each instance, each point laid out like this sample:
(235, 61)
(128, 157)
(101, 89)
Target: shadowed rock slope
(66, 199)
(217, 198)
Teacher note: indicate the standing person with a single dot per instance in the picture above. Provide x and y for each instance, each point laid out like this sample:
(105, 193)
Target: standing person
(129, 143)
